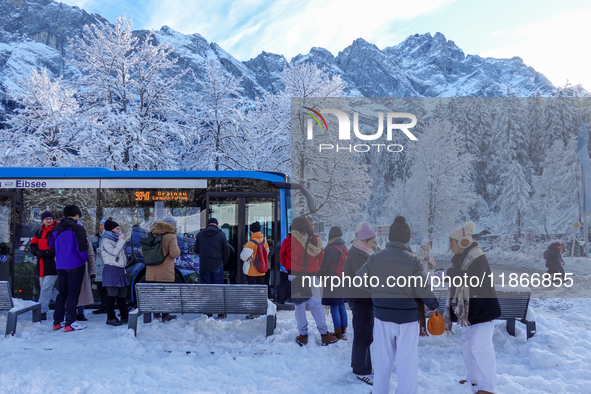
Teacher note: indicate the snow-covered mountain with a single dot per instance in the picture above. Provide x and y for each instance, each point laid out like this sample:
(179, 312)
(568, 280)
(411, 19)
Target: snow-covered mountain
(35, 33)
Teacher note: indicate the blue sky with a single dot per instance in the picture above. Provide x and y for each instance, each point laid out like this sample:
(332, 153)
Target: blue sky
(551, 36)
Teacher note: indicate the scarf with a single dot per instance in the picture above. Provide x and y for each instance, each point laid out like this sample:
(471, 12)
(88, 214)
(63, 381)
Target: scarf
(111, 235)
(461, 299)
(359, 244)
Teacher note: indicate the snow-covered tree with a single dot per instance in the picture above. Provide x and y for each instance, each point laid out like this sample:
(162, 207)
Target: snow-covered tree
(216, 117)
(340, 184)
(514, 202)
(43, 129)
(131, 105)
(436, 196)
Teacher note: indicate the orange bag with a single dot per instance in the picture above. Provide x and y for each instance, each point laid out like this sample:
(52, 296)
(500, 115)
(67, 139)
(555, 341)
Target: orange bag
(436, 324)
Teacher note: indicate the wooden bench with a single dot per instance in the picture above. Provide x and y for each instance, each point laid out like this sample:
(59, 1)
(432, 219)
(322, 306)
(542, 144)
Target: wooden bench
(514, 302)
(202, 298)
(6, 304)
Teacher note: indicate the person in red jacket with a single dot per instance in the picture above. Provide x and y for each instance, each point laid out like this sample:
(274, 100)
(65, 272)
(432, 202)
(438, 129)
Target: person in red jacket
(302, 236)
(45, 262)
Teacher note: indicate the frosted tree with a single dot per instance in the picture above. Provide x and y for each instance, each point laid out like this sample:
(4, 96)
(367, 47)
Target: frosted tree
(264, 144)
(558, 190)
(435, 197)
(479, 143)
(514, 202)
(536, 134)
(339, 183)
(132, 105)
(43, 129)
(216, 116)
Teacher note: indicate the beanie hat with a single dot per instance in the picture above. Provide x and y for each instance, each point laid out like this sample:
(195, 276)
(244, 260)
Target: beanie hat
(463, 234)
(111, 225)
(335, 232)
(170, 220)
(399, 230)
(46, 214)
(358, 227)
(255, 227)
(212, 220)
(103, 221)
(365, 232)
(71, 211)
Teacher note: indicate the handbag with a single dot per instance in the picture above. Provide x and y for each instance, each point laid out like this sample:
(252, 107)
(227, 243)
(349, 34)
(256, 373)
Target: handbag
(283, 288)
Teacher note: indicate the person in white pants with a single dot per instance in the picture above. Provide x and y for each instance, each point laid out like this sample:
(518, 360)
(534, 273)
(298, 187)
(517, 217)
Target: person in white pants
(393, 339)
(473, 307)
(479, 355)
(396, 311)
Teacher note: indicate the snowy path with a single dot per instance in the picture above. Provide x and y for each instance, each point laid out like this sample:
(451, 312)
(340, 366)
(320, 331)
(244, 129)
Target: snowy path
(196, 354)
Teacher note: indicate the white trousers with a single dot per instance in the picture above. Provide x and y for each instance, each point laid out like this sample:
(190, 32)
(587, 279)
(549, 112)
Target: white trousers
(390, 339)
(479, 355)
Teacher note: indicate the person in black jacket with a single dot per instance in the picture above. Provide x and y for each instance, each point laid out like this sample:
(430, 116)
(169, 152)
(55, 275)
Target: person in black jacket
(361, 304)
(474, 308)
(554, 262)
(212, 247)
(396, 309)
(333, 253)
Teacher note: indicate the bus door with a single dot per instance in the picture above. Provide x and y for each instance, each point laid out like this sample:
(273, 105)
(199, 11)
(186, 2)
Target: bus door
(235, 213)
(6, 235)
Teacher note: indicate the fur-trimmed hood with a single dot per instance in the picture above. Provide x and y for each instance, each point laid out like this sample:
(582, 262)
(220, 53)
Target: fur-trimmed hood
(313, 250)
(162, 227)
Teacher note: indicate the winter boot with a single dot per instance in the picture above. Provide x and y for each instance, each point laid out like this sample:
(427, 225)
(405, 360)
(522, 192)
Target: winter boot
(327, 339)
(344, 333)
(483, 392)
(81, 317)
(44, 316)
(99, 311)
(114, 322)
(253, 316)
(338, 332)
(302, 340)
(74, 327)
(167, 317)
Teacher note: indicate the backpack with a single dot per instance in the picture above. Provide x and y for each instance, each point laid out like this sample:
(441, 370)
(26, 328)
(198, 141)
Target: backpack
(261, 259)
(152, 250)
(344, 253)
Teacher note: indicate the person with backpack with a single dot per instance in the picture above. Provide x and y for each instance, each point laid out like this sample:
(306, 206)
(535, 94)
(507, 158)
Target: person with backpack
(212, 247)
(114, 278)
(333, 262)
(255, 256)
(69, 241)
(97, 243)
(162, 269)
(45, 262)
(554, 262)
(306, 257)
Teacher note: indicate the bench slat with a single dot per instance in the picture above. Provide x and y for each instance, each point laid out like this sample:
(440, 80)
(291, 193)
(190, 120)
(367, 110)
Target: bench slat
(5, 297)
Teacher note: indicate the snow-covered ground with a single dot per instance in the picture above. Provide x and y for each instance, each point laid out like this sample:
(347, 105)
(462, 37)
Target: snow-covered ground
(195, 354)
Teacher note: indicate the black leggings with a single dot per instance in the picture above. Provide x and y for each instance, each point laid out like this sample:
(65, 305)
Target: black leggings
(119, 295)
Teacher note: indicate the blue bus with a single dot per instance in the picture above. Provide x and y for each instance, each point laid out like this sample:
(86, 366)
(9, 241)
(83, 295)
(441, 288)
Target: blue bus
(135, 199)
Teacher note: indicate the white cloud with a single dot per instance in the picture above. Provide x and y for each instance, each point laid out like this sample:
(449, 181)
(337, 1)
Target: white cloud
(556, 47)
(245, 28)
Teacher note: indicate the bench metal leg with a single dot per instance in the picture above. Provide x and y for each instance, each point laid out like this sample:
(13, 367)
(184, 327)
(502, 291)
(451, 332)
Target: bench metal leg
(132, 323)
(36, 313)
(270, 325)
(530, 328)
(511, 327)
(147, 317)
(11, 323)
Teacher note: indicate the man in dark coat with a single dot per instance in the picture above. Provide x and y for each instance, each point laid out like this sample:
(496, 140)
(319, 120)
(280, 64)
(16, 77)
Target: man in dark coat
(71, 252)
(212, 247)
(396, 310)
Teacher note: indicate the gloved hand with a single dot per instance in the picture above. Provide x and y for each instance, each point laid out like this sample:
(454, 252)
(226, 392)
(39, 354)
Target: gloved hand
(39, 253)
(92, 276)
